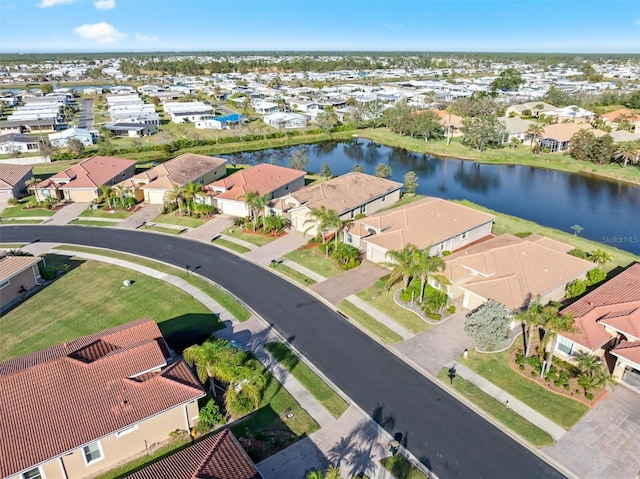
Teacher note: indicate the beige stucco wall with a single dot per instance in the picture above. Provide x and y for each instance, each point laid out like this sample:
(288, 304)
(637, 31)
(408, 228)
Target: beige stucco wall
(118, 449)
(232, 207)
(154, 197)
(81, 196)
(474, 234)
(11, 292)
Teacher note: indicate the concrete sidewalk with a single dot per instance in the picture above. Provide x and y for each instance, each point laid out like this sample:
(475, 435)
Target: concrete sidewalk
(517, 406)
(380, 317)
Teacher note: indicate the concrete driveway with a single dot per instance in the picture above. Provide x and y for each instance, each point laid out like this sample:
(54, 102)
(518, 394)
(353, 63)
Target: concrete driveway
(277, 248)
(67, 214)
(350, 282)
(606, 441)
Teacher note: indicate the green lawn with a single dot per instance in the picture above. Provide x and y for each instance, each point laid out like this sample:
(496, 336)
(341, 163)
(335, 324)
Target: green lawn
(401, 468)
(292, 274)
(313, 260)
(101, 213)
(93, 223)
(90, 297)
(160, 229)
(495, 368)
(19, 212)
(370, 324)
(378, 297)
(225, 300)
(310, 380)
(238, 248)
(17, 221)
(45, 170)
(173, 219)
(256, 239)
(497, 410)
(511, 224)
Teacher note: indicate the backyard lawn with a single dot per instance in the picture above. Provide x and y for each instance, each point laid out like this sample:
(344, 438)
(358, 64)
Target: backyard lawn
(313, 260)
(90, 297)
(495, 368)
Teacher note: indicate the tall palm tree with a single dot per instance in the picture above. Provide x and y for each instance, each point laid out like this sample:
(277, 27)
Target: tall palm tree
(534, 317)
(31, 184)
(118, 192)
(627, 152)
(256, 203)
(403, 266)
(535, 130)
(323, 220)
(428, 267)
(190, 190)
(600, 257)
(554, 324)
(175, 196)
(214, 360)
(105, 193)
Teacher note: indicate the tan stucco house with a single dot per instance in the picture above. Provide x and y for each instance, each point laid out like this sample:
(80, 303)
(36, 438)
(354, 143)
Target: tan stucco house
(13, 180)
(82, 182)
(428, 223)
(18, 275)
(80, 408)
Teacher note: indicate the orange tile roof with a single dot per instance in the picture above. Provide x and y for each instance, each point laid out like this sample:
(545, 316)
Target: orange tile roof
(86, 389)
(616, 303)
(219, 456)
(422, 223)
(447, 118)
(263, 178)
(90, 173)
(628, 350)
(564, 131)
(613, 115)
(512, 270)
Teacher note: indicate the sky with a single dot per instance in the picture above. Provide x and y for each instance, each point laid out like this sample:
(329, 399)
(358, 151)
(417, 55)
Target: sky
(554, 26)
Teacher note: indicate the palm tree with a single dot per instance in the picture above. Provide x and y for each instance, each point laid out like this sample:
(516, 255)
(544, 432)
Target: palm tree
(190, 190)
(175, 196)
(105, 193)
(588, 364)
(214, 360)
(403, 266)
(554, 324)
(323, 220)
(256, 203)
(627, 152)
(600, 257)
(428, 267)
(31, 184)
(534, 317)
(535, 130)
(244, 393)
(118, 192)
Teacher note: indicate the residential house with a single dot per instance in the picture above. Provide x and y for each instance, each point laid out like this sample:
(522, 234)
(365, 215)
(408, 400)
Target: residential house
(151, 185)
(572, 113)
(228, 194)
(615, 119)
(451, 123)
(350, 195)
(82, 181)
(512, 271)
(516, 128)
(82, 407)
(218, 456)
(533, 108)
(433, 223)
(607, 324)
(40, 125)
(62, 138)
(265, 107)
(624, 136)
(132, 130)
(18, 143)
(18, 275)
(13, 180)
(283, 120)
(7, 127)
(557, 137)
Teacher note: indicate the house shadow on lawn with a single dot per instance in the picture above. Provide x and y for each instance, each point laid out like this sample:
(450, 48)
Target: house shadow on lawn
(189, 329)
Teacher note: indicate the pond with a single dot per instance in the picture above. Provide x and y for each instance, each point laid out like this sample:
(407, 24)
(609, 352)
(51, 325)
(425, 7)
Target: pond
(608, 211)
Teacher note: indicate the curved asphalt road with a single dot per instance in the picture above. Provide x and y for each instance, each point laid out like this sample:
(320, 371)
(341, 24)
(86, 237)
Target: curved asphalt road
(448, 437)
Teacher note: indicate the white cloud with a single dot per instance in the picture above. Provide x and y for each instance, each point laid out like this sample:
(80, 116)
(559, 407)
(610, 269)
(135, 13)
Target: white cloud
(104, 4)
(145, 38)
(53, 3)
(101, 32)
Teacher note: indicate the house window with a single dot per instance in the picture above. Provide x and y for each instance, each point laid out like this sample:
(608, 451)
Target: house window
(383, 199)
(363, 209)
(465, 235)
(565, 346)
(126, 431)
(35, 473)
(92, 453)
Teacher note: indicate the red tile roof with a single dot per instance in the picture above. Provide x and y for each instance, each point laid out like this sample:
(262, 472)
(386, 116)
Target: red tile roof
(263, 178)
(90, 173)
(616, 304)
(84, 390)
(219, 456)
(628, 350)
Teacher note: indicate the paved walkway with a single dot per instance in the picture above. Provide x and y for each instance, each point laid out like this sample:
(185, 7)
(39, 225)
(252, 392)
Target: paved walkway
(350, 282)
(379, 316)
(66, 214)
(531, 415)
(277, 248)
(140, 217)
(210, 229)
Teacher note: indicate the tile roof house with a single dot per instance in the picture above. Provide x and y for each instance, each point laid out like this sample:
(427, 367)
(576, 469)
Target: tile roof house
(82, 181)
(350, 195)
(557, 137)
(151, 185)
(431, 222)
(219, 456)
(228, 194)
(512, 271)
(81, 407)
(535, 107)
(13, 180)
(616, 117)
(607, 324)
(18, 275)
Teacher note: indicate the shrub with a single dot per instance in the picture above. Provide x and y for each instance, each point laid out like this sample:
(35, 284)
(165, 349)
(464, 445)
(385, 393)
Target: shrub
(210, 415)
(534, 362)
(520, 358)
(47, 272)
(589, 396)
(523, 234)
(521, 367)
(547, 379)
(576, 288)
(557, 383)
(446, 253)
(534, 374)
(12, 202)
(578, 253)
(434, 316)
(451, 309)
(595, 276)
(566, 387)
(178, 433)
(359, 216)
(563, 378)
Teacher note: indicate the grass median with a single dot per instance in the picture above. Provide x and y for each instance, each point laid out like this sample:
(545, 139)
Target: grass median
(225, 243)
(292, 274)
(369, 323)
(225, 300)
(310, 380)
